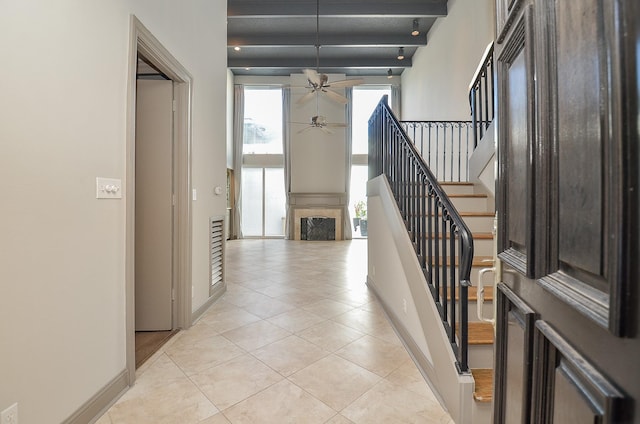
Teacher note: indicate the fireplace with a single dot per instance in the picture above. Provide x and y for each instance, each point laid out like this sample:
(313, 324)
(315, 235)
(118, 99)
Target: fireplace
(317, 228)
(316, 205)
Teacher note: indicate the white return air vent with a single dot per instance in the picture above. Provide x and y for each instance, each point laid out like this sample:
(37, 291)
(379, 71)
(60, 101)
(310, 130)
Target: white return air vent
(216, 243)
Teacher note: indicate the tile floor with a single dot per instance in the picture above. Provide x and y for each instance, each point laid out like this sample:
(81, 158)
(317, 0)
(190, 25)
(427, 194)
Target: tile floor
(297, 338)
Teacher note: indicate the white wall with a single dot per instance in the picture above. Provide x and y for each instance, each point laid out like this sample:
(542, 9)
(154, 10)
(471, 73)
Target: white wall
(318, 159)
(63, 81)
(436, 87)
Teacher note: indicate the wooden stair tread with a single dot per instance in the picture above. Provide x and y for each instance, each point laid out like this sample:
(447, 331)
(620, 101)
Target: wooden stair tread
(478, 260)
(472, 294)
(477, 214)
(480, 333)
(483, 391)
(488, 293)
(455, 183)
(471, 196)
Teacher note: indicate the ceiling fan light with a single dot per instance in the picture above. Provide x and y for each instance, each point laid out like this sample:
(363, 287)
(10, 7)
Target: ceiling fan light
(416, 28)
(401, 53)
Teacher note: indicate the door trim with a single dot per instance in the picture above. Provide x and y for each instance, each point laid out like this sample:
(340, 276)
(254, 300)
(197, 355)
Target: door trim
(143, 42)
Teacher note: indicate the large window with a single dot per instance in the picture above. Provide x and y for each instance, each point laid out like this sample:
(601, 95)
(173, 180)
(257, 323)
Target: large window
(365, 99)
(262, 183)
(262, 121)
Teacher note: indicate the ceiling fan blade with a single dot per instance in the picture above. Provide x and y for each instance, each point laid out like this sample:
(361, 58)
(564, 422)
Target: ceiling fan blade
(326, 130)
(304, 99)
(304, 129)
(312, 76)
(336, 97)
(329, 124)
(346, 83)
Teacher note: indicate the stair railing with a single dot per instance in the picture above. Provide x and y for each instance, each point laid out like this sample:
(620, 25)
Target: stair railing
(481, 97)
(435, 227)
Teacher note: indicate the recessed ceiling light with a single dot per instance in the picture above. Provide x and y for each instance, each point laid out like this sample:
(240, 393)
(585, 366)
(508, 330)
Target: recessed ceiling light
(416, 28)
(236, 48)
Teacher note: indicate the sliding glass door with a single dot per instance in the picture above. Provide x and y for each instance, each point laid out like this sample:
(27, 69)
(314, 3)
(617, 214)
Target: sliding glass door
(263, 197)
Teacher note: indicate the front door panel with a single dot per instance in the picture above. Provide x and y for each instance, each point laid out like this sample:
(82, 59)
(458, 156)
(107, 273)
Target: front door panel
(568, 210)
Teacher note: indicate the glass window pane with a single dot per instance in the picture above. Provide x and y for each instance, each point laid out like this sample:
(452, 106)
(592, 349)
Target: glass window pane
(365, 99)
(252, 202)
(262, 131)
(358, 196)
(274, 202)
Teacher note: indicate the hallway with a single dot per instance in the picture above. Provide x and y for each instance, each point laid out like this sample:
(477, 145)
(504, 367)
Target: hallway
(297, 338)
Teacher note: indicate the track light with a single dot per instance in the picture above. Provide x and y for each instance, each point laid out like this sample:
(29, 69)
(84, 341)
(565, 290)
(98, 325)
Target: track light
(389, 73)
(401, 53)
(416, 28)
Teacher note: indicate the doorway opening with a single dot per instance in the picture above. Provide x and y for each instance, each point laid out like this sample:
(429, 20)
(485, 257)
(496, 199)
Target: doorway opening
(158, 188)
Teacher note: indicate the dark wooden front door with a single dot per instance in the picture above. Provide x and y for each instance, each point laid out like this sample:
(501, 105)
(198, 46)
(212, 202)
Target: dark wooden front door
(567, 347)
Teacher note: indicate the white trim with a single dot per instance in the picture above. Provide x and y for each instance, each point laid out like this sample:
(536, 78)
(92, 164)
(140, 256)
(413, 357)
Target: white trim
(143, 42)
(99, 403)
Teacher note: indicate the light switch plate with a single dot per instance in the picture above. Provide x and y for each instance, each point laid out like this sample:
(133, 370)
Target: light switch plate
(108, 188)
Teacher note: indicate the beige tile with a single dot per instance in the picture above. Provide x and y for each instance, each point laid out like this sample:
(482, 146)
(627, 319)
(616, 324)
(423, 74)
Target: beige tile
(388, 403)
(267, 307)
(277, 289)
(256, 335)
(374, 354)
(335, 381)
(408, 376)
(219, 305)
(355, 298)
(229, 319)
(163, 369)
(300, 298)
(290, 354)
(388, 334)
(197, 333)
(162, 395)
(330, 335)
(296, 320)
(282, 403)
(216, 419)
(202, 354)
(327, 308)
(339, 419)
(243, 297)
(234, 381)
(364, 321)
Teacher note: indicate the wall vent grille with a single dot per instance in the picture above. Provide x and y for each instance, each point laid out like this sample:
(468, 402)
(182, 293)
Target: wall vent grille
(216, 248)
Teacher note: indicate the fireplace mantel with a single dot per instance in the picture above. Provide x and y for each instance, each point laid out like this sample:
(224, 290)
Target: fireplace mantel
(329, 205)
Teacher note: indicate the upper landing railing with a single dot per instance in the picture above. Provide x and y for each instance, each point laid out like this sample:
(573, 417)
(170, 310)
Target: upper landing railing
(445, 146)
(481, 97)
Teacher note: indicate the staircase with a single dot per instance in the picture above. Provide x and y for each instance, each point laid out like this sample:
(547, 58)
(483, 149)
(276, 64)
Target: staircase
(477, 211)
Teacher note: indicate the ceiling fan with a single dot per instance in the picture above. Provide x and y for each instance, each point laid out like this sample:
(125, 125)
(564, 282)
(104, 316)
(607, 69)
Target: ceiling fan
(321, 123)
(318, 82)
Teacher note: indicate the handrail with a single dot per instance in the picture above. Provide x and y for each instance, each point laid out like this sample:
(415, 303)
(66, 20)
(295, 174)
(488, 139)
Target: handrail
(445, 146)
(481, 98)
(434, 225)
